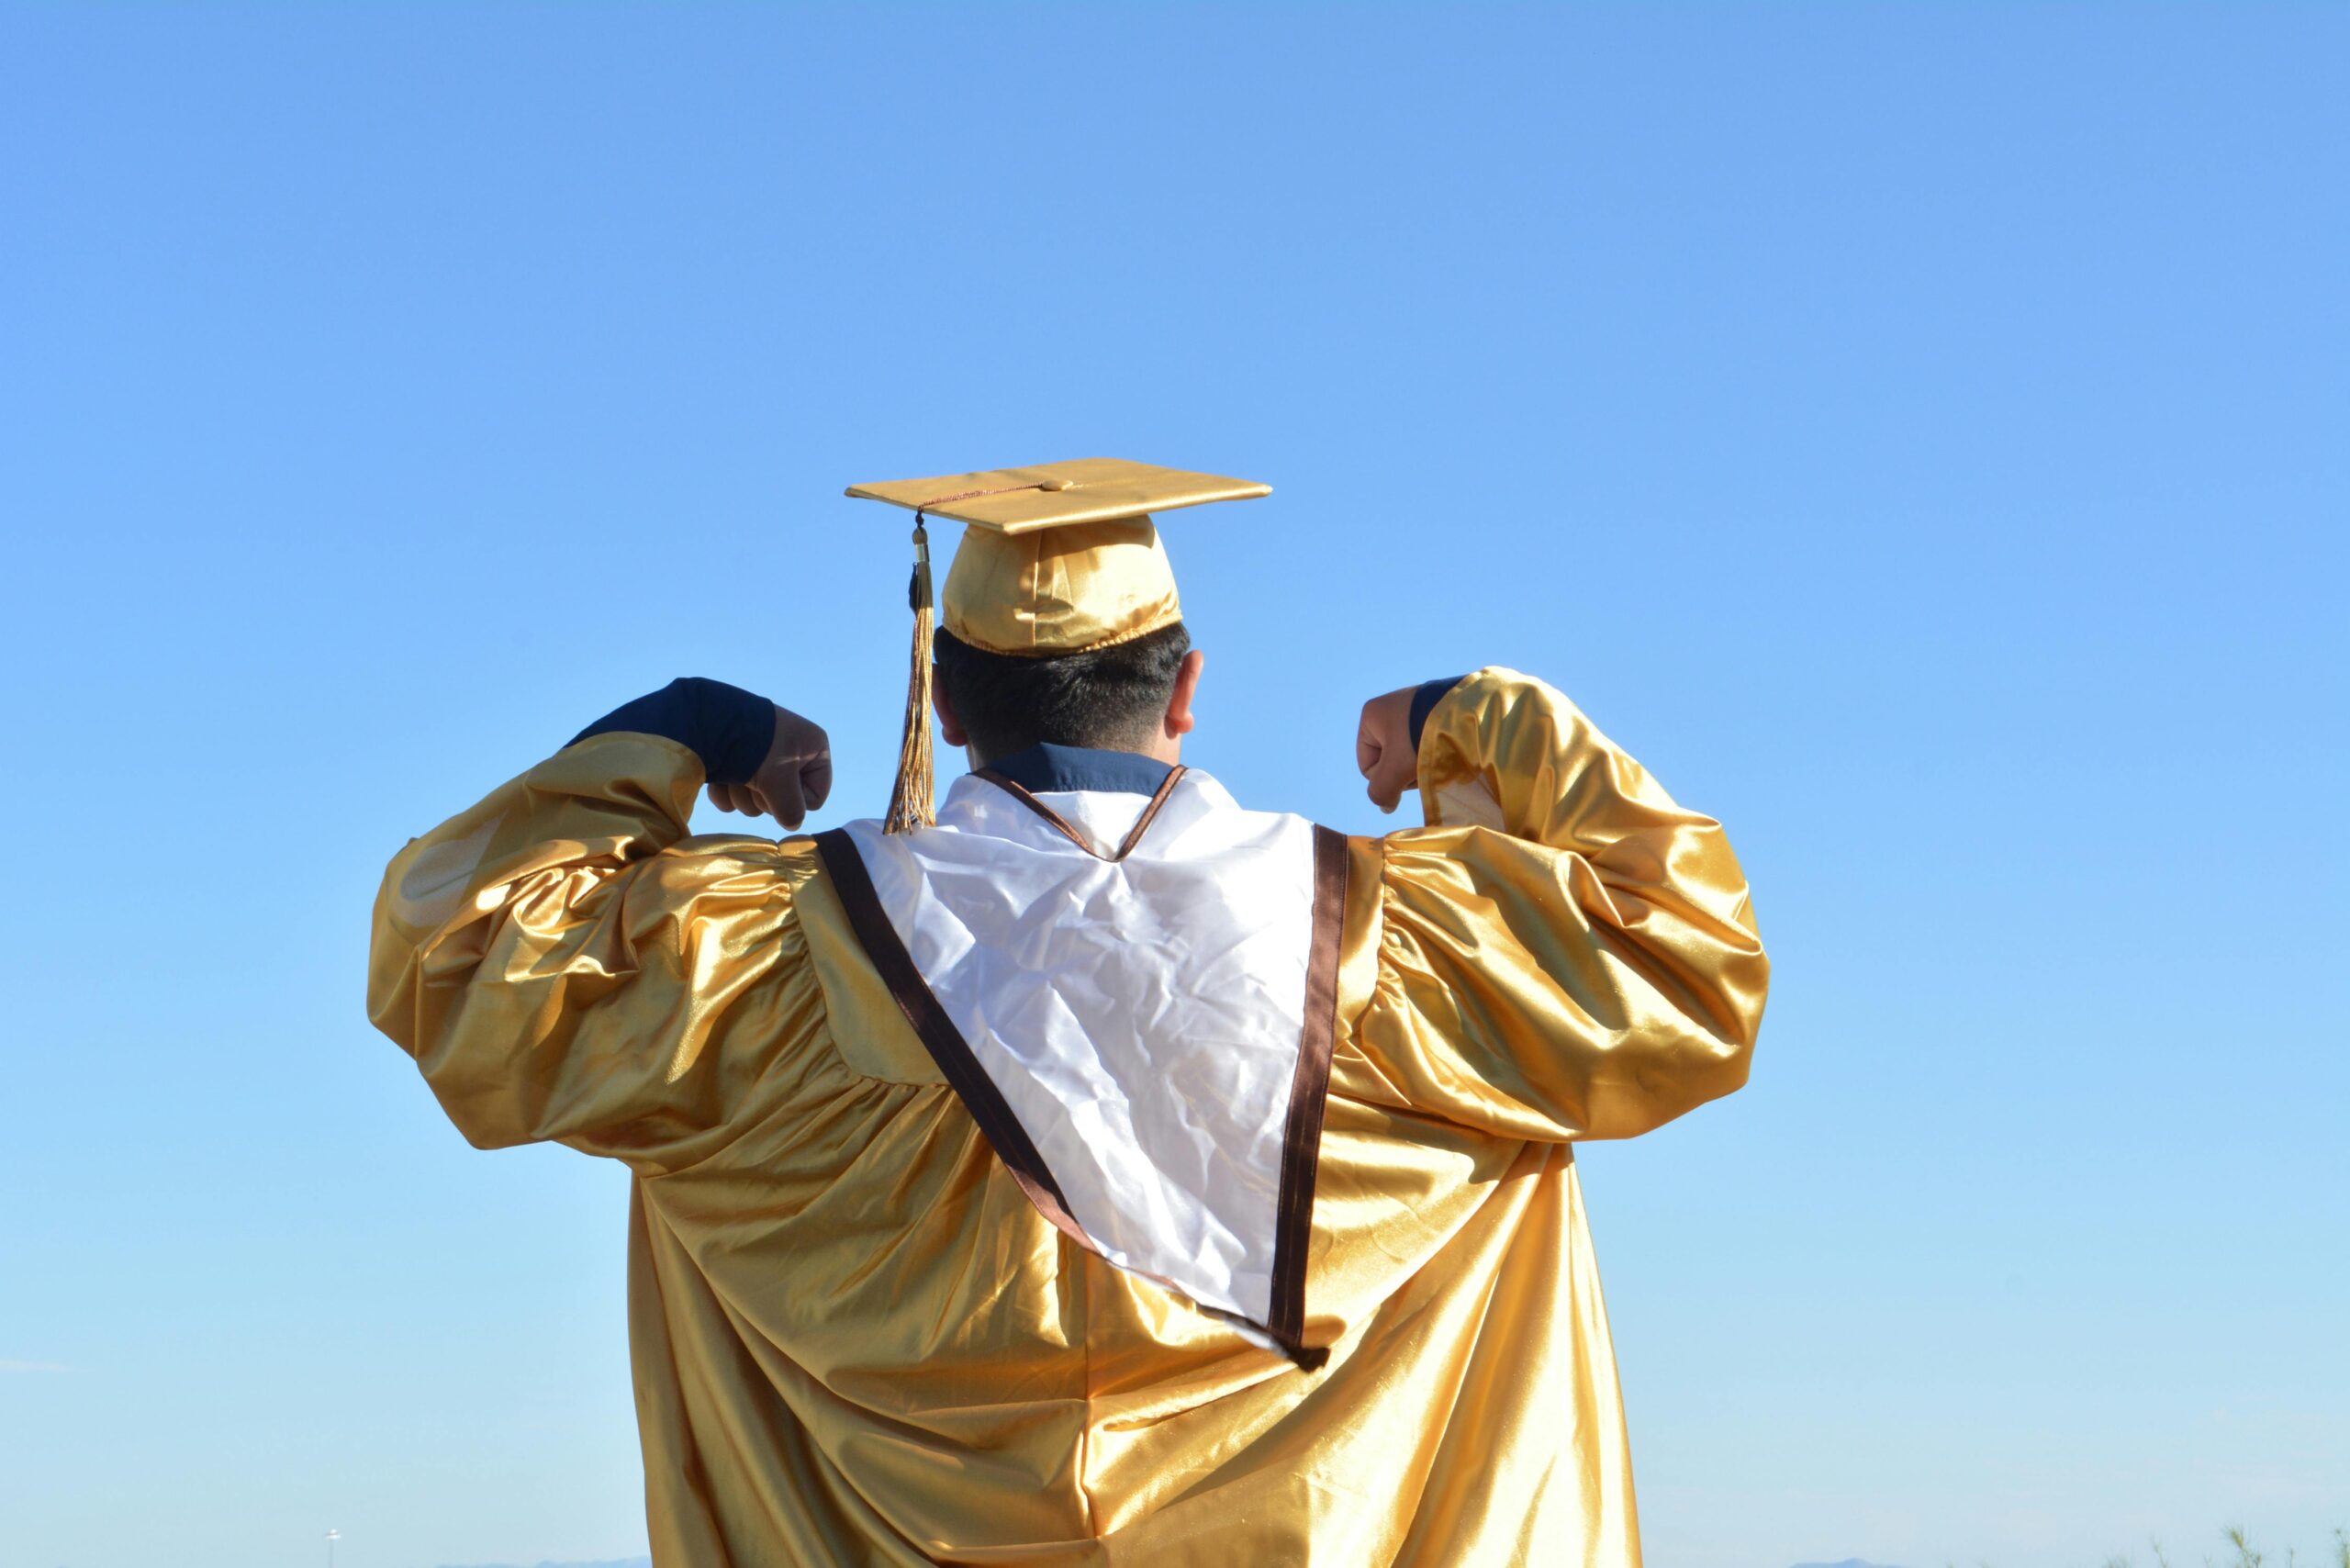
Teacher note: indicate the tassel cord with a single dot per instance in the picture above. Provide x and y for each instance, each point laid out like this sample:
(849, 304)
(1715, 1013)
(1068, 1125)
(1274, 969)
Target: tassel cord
(912, 800)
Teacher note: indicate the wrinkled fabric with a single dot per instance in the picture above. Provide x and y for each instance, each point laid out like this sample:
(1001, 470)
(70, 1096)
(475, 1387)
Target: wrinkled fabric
(855, 1340)
(1142, 1017)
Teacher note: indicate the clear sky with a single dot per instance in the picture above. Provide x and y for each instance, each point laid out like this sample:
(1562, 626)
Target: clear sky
(1921, 435)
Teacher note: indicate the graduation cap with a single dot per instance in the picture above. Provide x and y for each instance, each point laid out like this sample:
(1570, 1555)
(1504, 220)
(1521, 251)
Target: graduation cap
(1055, 559)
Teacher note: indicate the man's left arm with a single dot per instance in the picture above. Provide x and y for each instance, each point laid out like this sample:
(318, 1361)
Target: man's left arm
(1565, 951)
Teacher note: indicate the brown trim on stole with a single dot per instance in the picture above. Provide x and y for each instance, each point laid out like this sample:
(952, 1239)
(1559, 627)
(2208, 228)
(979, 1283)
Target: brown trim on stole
(1308, 1096)
(938, 1034)
(1021, 793)
(1309, 1086)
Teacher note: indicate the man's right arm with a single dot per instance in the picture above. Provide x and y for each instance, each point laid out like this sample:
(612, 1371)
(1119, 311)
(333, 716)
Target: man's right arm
(561, 969)
(1564, 951)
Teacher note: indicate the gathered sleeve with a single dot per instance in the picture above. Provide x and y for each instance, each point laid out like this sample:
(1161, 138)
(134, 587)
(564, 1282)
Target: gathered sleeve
(1564, 952)
(563, 964)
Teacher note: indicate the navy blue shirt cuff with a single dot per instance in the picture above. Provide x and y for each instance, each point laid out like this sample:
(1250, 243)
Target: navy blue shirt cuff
(729, 729)
(1424, 702)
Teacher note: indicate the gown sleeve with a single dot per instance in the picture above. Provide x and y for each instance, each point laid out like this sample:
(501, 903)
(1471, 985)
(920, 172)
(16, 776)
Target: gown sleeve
(563, 964)
(1564, 951)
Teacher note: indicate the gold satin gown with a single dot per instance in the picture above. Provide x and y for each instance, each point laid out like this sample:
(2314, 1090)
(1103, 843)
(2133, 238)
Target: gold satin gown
(855, 1342)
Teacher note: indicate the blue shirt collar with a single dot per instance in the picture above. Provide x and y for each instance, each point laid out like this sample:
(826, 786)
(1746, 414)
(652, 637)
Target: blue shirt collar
(1046, 768)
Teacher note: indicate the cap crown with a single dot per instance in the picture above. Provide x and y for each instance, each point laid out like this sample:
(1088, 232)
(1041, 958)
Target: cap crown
(1062, 591)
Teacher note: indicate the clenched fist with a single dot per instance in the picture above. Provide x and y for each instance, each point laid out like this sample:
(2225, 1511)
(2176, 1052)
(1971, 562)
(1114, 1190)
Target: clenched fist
(791, 782)
(1384, 749)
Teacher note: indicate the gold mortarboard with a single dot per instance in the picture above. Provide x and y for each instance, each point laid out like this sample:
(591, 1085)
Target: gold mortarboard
(1059, 558)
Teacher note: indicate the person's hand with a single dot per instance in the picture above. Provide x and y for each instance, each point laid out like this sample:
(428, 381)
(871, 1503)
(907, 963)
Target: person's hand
(791, 782)
(1384, 749)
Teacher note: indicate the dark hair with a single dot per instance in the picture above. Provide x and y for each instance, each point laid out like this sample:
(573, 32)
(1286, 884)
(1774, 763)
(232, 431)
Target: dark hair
(1113, 697)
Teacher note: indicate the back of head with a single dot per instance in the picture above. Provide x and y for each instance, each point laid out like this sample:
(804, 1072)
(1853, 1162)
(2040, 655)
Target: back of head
(1112, 697)
(1060, 623)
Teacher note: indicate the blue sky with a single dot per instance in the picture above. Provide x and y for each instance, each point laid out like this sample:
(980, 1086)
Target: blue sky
(1917, 434)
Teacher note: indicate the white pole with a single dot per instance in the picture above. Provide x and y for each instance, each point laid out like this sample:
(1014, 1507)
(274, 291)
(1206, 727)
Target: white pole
(332, 1536)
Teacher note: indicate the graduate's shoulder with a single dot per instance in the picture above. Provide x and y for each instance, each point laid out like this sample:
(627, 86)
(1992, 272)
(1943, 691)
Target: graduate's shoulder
(736, 862)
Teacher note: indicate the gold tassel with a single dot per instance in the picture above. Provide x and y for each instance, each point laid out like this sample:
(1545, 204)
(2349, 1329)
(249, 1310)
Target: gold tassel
(911, 802)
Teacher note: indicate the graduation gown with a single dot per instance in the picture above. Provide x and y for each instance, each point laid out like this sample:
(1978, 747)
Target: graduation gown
(1294, 1269)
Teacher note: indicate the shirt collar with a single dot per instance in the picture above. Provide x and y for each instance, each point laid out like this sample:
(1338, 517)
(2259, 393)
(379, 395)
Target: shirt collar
(1046, 768)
